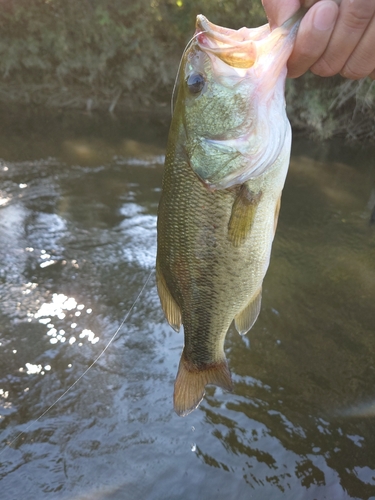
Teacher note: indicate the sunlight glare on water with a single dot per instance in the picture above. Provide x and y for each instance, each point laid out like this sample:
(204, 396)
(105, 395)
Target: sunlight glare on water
(59, 307)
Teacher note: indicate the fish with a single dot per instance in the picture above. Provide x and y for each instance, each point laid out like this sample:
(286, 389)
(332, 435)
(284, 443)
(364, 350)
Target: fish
(226, 161)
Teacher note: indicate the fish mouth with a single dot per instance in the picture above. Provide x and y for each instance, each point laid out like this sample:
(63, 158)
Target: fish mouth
(242, 48)
(229, 45)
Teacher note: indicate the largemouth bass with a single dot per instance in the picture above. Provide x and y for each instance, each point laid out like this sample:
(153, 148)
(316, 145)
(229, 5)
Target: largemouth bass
(226, 162)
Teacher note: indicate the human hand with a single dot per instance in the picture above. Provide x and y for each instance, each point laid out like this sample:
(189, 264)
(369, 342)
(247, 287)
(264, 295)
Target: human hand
(332, 39)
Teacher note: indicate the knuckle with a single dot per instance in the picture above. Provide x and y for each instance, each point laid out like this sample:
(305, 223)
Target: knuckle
(324, 68)
(359, 16)
(351, 75)
(355, 72)
(360, 64)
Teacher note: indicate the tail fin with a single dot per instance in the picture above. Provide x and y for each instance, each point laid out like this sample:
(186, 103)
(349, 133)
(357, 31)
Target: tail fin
(191, 381)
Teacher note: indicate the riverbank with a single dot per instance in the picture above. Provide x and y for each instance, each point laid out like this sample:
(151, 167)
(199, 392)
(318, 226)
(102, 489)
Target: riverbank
(101, 56)
(333, 108)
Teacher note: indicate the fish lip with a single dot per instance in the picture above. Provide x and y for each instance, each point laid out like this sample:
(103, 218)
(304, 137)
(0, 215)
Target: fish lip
(229, 45)
(228, 35)
(239, 48)
(203, 25)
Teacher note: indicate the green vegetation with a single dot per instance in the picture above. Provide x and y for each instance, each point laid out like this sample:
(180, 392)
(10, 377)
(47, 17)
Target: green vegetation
(326, 107)
(103, 54)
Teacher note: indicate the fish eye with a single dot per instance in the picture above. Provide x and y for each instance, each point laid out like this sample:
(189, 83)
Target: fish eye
(195, 83)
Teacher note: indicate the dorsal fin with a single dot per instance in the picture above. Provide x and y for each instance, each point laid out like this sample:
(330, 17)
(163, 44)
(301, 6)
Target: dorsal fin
(171, 310)
(243, 213)
(248, 316)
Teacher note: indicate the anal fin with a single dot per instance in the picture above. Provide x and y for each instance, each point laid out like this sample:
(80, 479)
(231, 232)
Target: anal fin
(171, 310)
(191, 381)
(248, 316)
(243, 214)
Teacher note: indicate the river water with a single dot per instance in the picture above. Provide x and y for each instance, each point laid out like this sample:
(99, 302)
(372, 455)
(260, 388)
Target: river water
(78, 203)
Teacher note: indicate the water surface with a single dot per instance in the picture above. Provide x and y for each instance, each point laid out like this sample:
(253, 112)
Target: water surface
(78, 202)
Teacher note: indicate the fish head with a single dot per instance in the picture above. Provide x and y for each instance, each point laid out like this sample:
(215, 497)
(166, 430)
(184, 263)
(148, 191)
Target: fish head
(231, 100)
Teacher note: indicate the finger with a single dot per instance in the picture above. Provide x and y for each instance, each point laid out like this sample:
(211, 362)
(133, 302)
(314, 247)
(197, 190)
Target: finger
(353, 19)
(313, 36)
(362, 60)
(309, 3)
(279, 11)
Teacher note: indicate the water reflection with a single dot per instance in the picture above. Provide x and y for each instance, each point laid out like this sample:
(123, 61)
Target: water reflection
(77, 243)
(56, 308)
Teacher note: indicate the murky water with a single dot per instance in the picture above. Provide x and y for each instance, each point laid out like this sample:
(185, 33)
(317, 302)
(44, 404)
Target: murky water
(77, 243)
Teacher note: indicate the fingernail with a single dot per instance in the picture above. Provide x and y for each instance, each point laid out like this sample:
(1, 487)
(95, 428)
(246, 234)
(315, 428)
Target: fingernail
(325, 16)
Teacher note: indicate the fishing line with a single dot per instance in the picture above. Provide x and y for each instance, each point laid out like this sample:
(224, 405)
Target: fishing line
(87, 369)
(179, 67)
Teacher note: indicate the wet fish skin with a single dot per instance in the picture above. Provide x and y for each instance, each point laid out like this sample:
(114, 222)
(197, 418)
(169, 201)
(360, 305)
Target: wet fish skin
(215, 231)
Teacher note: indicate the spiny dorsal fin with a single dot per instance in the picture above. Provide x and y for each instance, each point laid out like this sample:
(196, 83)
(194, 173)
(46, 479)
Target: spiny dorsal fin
(191, 381)
(171, 310)
(248, 316)
(243, 214)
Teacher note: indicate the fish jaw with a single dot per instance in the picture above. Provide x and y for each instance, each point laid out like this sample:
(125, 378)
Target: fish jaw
(233, 48)
(246, 47)
(251, 63)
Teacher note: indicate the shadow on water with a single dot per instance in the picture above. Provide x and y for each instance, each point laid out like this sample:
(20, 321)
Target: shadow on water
(77, 242)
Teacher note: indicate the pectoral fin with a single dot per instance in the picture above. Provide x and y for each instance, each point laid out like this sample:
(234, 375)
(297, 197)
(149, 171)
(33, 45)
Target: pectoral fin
(243, 213)
(248, 316)
(171, 310)
(277, 211)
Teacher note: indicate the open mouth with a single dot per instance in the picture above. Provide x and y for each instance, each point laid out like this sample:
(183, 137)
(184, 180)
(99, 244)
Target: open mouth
(241, 48)
(232, 46)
